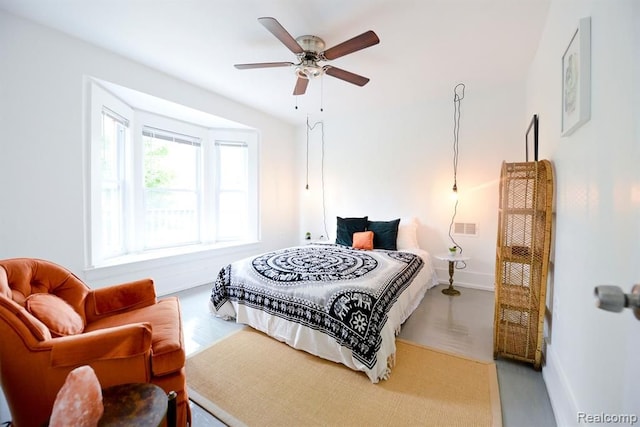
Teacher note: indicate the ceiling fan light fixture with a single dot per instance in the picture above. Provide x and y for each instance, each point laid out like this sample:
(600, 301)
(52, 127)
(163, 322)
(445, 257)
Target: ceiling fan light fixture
(309, 71)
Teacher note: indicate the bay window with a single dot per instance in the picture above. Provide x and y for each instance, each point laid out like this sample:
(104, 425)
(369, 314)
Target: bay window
(160, 183)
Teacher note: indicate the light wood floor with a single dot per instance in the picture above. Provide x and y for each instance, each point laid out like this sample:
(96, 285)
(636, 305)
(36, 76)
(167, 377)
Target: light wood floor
(462, 324)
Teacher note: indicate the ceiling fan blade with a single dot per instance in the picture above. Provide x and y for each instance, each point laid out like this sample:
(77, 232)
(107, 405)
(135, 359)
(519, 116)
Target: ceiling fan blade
(281, 34)
(301, 86)
(263, 65)
(347, 76)
(355, 44)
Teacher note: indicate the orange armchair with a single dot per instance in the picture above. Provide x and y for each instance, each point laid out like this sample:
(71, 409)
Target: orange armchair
(51, 323)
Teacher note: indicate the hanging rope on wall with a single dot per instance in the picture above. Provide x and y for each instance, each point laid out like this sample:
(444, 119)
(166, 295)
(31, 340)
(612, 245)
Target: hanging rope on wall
(456, 130)
(458, 96)
(324, 209)
(307, 184)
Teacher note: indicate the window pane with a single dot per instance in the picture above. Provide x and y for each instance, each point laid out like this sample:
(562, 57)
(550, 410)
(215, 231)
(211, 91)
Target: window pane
(233, 167)
(112, 199)
(171, 214)
(233, 215)
(170, 164)
(171, 218)
(111, 220)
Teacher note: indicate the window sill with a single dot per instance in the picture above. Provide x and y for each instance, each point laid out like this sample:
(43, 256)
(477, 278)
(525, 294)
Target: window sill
(163, 257)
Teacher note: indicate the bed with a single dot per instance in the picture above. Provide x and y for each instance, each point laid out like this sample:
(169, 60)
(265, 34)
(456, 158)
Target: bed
(334, 301)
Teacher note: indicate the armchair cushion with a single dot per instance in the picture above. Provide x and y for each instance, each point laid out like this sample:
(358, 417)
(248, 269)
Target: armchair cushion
(55, 313)
(167, 349)
(119, 298)
(127, 341)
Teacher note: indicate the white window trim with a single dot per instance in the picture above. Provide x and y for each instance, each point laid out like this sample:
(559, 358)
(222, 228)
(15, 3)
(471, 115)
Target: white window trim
(250, 139)
(99, 99)
(146, 119)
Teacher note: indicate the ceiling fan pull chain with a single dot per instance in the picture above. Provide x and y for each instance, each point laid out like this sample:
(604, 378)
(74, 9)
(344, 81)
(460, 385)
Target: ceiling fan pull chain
(322, 93)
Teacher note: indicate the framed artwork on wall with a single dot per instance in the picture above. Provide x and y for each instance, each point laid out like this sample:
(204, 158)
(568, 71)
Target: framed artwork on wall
(576, 79)
(531, 140)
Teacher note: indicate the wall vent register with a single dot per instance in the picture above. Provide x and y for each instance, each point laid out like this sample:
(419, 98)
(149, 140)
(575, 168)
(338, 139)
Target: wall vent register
(465, 228)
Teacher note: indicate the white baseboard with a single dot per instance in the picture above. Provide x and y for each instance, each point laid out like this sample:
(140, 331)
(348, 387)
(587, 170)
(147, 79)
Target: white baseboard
(466, 279)
(562, 400)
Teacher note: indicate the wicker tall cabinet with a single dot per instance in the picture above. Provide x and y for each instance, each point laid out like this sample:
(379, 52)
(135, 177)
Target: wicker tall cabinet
(522, 260)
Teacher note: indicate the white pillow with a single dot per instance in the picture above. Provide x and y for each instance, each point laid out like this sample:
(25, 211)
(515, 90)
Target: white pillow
(408, 235)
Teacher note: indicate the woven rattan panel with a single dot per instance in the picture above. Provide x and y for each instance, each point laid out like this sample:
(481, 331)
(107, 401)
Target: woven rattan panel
(522, 259)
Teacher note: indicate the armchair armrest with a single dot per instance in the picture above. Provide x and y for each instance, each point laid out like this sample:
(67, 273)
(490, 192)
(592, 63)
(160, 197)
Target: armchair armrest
(119, 342)
(119, 298)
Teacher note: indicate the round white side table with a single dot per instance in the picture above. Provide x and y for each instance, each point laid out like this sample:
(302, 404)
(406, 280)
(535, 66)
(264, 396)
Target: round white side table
(452, 262)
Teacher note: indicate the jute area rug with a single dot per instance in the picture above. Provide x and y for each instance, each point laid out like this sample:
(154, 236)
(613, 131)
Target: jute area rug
(251, 379)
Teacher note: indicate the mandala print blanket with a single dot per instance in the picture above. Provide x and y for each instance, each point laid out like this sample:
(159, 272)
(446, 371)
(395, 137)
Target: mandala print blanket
(343, 292)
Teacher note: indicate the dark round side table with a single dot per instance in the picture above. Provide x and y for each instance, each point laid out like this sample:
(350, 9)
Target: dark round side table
(135, 404)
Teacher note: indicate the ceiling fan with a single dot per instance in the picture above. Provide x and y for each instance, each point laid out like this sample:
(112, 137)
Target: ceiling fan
(310, 51)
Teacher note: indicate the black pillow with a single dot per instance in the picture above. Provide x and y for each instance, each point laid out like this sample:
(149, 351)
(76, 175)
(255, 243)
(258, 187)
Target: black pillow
(385, 234)
(346, 227)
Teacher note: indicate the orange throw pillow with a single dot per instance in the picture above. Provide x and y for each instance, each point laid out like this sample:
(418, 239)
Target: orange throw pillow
(363, 240)
(55, 313)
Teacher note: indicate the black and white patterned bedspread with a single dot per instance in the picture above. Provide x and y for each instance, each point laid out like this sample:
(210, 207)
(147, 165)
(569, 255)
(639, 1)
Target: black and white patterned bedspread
(343, 292)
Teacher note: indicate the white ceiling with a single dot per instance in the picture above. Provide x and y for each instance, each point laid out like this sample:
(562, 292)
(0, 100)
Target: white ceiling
(425, 45)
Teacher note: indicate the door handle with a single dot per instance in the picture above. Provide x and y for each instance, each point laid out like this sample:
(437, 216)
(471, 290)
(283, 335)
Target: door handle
(612, 298)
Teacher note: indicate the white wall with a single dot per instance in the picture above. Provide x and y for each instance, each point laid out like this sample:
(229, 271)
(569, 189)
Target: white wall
(591, 354)
(399, 163)
(43, 164)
